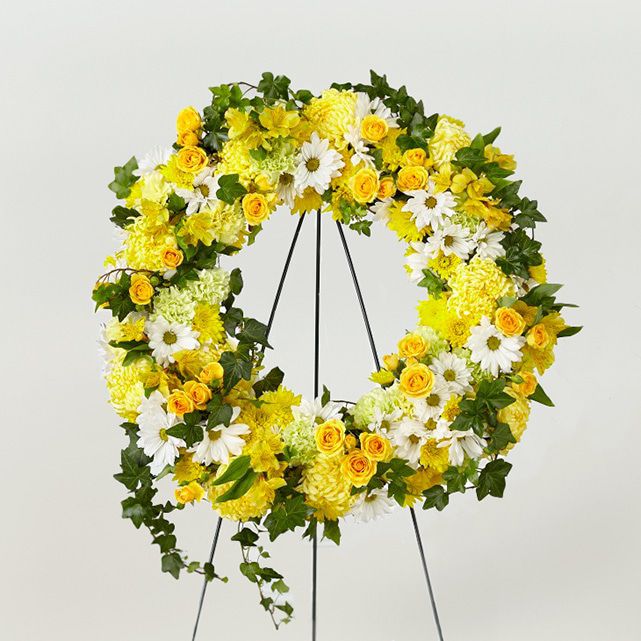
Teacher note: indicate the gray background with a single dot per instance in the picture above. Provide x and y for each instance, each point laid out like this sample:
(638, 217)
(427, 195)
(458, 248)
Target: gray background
(85, 85)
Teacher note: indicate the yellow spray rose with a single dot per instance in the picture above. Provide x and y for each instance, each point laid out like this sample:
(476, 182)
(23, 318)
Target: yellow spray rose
(189, 493)
(386, 188)
(365, 185)
(377, 447)
(187, 139)
(412, 346)
(191, 159)
(141, 290)
(391, 361)
(411, 178)
(199, 394)
(350, 442)
(171, 257)
(179, 403)
(414, 157)
(188, 120)
(255, 208)
(330, 436)
(527, 387)
(417, 380)
(374, 128)
(211, 372)
(358, 468)
(509, 321)
(538, 337)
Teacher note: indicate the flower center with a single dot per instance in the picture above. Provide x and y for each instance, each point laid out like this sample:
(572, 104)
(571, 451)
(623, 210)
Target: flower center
(286, 179)
(449, 375)
(493, 343)
(430, 202)
(370, 498)
(204, 190)
(433, 400)
(169, 338)
(413, 439)
(312, 164)
(163, 434)
(448, 241)
(214, 435)
(385, 425)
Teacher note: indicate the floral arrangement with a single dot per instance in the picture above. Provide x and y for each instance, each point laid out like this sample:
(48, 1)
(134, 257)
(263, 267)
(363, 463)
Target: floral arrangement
(184, 365)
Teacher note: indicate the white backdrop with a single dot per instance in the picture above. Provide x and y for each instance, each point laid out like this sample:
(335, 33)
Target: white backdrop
(85, 85)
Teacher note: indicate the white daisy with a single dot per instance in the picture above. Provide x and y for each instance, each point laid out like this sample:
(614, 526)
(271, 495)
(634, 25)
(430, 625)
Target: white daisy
(450, 239)
(317, 165)
(165, 339)
(154, 422)
(203, 194)
(461, 443)
(372, 505)
(453, 369)
(152, 159)
(429, 207)
(221, 441)
(383, 422)
(409, 436)
(359, 147)
(488, 242)
(418, 260)
(312, 410)
(286, 190)
(492, 350)
(381, 210)
(365, 106)
(430, 407)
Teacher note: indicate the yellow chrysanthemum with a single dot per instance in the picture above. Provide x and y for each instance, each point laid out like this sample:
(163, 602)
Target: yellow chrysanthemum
(402, 224)
(515, 415)
(433, 313)
(144, 244)
(451, 408)
(186, 469)
(255, 503)
(326, 489)
(433, 457)
(392, 155)
(332, 115)
(422, 480)
(310, 200)
(190, 362)
(128, 330)
(174, 174)
(449, 136)
(444, 265)
(208, 323)
(278, 405)
(456, 329)
(125, 385)
(476, 286)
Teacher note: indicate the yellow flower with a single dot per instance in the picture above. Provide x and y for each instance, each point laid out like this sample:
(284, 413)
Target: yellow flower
(253, 504)
(237, 121)
(509, 321)
(374, 128)
(417, 380)
(497, 218)
(433, 313)
(179, 403)
(449, 136)
(172, 172)
(278, 404)
(411, 178)
(189, 493)
(401, 222)
(377, 447)
(382, 377)
(365, 185)
(326, 489)
(538, 272)
(308, 201)
(358, 468)
(538, 337)
(413, 346)
(527, 386)
(129, 330)
(187, 139)
(504, 161)
(141, 290)
(391, 361)
(199, 394)
(186, 469)
(392, 155)
(191, 159)
(451, 408)
(444, 265)
(188, 120)
(414, 157)
(515, 415)
(198, 228)
(208, 324)
(421, 481)
(126, 385)
(456, 329)
(434, 457)
(256, 208)
(330, 436)
(386, 188)
(278, 121)
(211, 372)
(332, 115)
(171, 257)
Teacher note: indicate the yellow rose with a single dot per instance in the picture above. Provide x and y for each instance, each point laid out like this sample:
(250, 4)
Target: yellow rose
(412, 346)
(211, 372)
(391, 361)
(365, 185)
(255, 208)
(377, 447)
(374, 128)
(191, 159)
(188, 120)
(189, 493)
(411, 178)
(350, 442)
(417, 380)
(171, 257)
(141, 290)
(199, 393)
(527, 387)
(179, 403)
(414, 157)
(187, 139)
(509, 321)
(358, 468)
(386, 188)
(538, 337)
(330, 436)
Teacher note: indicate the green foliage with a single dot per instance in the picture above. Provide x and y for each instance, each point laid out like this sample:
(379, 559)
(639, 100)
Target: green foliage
(236, 367)
(274, 87)
(501, 437)
(433, 283)
(229, 189)
(122, 216)
(437, 497)
(332, 531)
(236, 470)
(492, 479)
(124, 178)
(540, 396)
(220, 413)
(286, 514)
(240, 487)
(270, 382)
(480, 411)
(521, 252)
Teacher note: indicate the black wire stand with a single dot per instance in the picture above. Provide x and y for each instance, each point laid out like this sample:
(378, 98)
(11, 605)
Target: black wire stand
(370, 336)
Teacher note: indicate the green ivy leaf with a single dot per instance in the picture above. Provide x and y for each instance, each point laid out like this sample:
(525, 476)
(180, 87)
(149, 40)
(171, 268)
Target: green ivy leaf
(246, 537)
(254, 332)
(172, 563)
(287, 515)
(124, 178)
(191, 434)
(455, 479)
(229, 189)
(122, 216)
(492, 479)
(235, 281)
(432, 282)
(235, 368)
(270, 382)
(219, 412)
(501, 437)
(437, 497)
(332, 531)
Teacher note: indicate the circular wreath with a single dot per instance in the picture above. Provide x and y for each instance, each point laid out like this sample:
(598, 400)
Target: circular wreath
(184, 365)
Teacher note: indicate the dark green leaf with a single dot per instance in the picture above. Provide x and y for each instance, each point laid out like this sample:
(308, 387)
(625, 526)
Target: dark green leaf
(122, 216)
(239, 488)
(540, 396)
(569, 331)
(246, 537)
(492, 479)
(236, 469)
(229, 189)
(270, 382)
(287, 515)
(436, 497)
(332, 531)
(501, 438)
(172, 563)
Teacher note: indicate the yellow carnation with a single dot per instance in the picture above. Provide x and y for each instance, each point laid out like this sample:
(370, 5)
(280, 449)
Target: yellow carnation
(189, 493)
(515, 415)
(449, 136)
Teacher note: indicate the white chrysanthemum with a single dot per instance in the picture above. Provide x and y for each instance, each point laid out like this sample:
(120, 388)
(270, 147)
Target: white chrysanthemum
(167, 338)
(429, 207)
(430, 407)
(372, 505)
(409, 436)
(381, 210)
(203, 194)
(212, 286)
(460, 443)
(417, 261)
(488, 242)
(221, 442)
(154, 422)
(492, 350)
(316, 410)
(454, 371)
(359, 147)
(317, 165)
(152, 159)
(450, 239)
